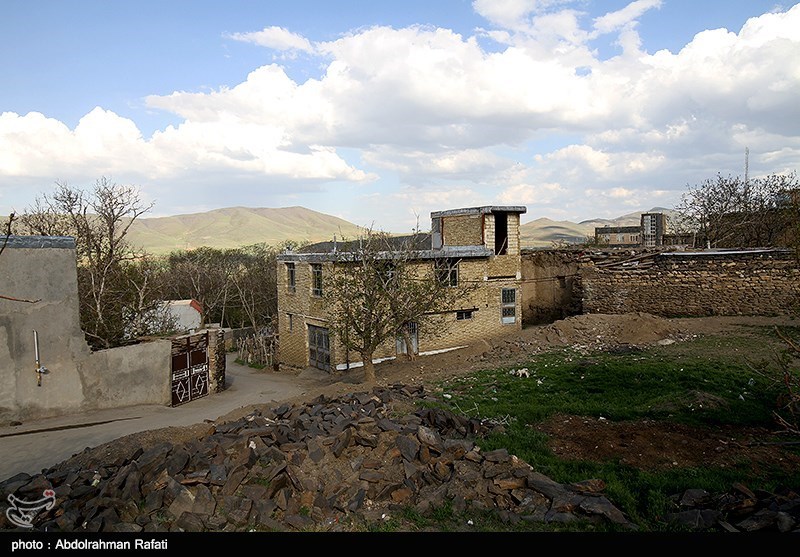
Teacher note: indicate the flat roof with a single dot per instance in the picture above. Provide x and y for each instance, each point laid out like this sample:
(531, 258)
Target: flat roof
(480, 210)
(445, 251)
(28, 242)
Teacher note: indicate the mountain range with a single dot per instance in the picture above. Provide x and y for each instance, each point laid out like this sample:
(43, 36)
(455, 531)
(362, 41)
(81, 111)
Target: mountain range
(237, 226)
(240, 226)
(543, 232)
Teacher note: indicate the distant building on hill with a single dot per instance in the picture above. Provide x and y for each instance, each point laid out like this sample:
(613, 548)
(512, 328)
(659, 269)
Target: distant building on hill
(650, 232)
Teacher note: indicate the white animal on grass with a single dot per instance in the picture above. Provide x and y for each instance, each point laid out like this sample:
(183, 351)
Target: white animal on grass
(522, 372)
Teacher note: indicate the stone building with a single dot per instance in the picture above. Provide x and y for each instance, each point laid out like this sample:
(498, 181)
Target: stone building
(481, 245)
(650, 232)
(619, 236)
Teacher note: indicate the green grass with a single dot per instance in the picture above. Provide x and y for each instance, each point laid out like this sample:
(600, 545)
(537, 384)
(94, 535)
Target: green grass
(702, 383)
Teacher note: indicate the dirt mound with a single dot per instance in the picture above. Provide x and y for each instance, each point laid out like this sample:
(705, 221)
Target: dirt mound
(601, 329)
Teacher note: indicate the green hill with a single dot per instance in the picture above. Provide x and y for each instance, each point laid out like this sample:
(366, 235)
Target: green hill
(543, 232)
(240, 226)
(237, 226)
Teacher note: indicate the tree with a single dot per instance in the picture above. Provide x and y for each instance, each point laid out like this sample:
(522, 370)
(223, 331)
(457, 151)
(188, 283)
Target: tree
(99, 220)
(235, 287)
(734, 212)
(378, 286)
(144, 309)
(255, 282)
(7, 232)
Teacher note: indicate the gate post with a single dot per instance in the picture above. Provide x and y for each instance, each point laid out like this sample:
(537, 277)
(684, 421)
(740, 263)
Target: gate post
(216, 360)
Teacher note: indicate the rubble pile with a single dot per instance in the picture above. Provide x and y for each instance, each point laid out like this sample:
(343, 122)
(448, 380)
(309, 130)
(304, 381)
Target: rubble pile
(325, 465)
(348, 463)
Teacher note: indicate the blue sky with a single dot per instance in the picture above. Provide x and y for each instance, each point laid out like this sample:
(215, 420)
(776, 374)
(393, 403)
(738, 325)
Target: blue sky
(381, 112)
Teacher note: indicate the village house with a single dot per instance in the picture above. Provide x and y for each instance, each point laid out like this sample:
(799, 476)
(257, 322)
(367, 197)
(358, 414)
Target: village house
(480, 244)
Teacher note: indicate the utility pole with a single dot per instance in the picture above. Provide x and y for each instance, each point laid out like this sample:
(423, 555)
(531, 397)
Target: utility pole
(746, 164)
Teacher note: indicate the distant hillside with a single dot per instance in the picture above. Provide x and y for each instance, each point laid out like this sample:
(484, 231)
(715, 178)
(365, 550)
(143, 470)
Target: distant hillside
(240, 226)
(237, 226)
(542, 232)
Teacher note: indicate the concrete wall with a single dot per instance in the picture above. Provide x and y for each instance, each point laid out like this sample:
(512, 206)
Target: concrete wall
(697, 284)
(128, 375)
(43, 268)
(551, 286)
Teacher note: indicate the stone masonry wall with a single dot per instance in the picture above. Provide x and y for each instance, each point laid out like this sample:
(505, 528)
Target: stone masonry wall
(551, 286)
(464, 230)
(485, 301)
(699, 284)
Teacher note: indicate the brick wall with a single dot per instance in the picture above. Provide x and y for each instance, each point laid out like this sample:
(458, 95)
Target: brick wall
(448, 331)
(297, 309)
(699, 284)
(464, 230)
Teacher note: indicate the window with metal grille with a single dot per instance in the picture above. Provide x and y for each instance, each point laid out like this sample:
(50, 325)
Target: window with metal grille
(508, 302)
(316, 279)
(463, 314)
(447, 271)
(290, 277)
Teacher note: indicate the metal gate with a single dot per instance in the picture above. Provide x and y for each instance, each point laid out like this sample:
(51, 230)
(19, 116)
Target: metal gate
(319, 348)
(189, 368)
(413, 335)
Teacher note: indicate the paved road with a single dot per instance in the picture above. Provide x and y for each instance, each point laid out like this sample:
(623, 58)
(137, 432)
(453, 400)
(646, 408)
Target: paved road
(38, 445)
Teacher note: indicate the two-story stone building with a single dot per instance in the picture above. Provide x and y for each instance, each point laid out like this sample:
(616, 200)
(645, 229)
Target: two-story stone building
(482, 247)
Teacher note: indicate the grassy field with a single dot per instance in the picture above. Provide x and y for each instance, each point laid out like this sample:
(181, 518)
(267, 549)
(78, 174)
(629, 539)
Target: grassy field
(656, 384)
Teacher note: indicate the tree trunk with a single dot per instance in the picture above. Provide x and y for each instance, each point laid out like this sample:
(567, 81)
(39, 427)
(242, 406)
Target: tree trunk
(411, 353)
(369, 368)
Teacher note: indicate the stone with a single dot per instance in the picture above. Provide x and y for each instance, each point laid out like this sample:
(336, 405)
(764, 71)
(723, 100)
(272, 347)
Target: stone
(183, 502)
(204, 501)
(498, 455)
(429, 437)
(234, 480)
(342, 442)
(761, 520)
(587, 486)
(409, 447)
(190, 522)
(695, 498)
(299, 522)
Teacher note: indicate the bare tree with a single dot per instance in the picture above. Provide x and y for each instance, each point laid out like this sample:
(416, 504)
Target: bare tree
(734, 212)
(145, 310)
(377, 287)
(255, 282)
(7, 232)
(99, 220)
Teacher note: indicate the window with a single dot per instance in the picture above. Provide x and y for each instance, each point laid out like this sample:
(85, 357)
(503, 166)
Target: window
(508, 302)
(463, 314)
(290, 277)
(500, 233)
(447, 271)
(316, 279)
(291, 322)
(620, 237)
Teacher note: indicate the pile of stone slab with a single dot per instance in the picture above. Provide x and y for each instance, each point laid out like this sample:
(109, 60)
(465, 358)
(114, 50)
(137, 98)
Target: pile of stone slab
(342, 464)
